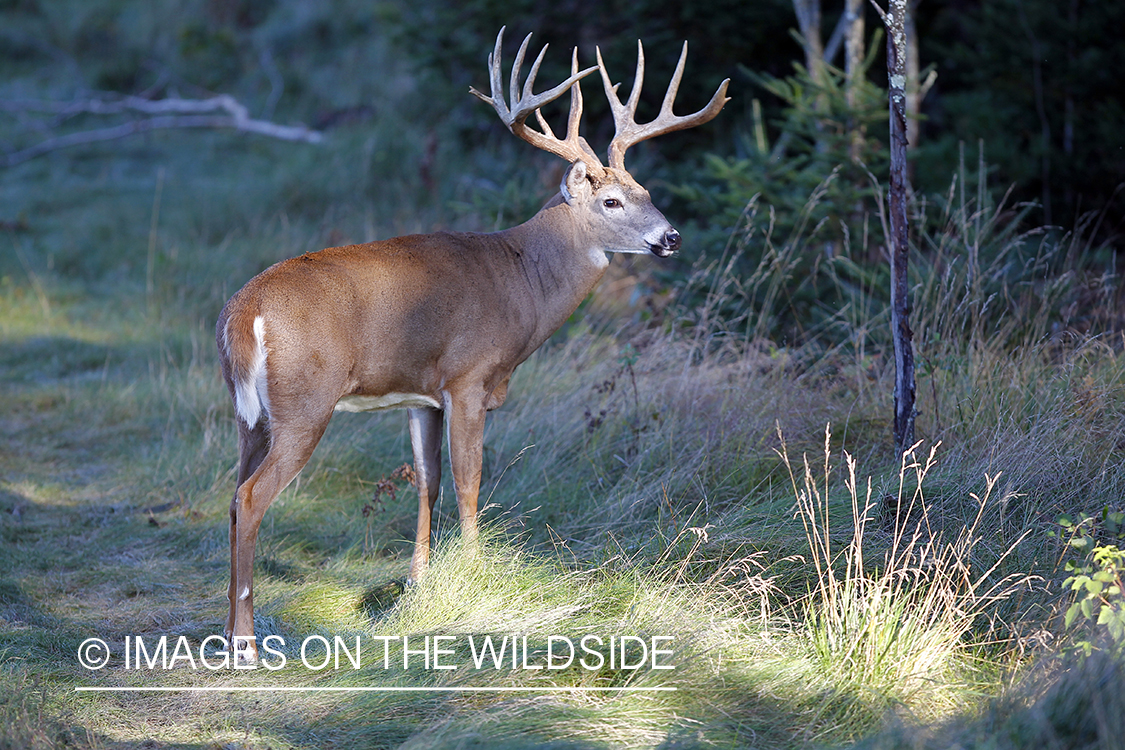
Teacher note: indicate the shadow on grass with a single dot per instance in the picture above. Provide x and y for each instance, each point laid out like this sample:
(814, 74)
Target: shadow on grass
(380, 598)
(19, 610)
(1063, 705)
(49, 358)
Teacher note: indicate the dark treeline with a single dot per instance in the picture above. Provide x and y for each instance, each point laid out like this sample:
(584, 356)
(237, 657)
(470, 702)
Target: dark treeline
(1033, 79)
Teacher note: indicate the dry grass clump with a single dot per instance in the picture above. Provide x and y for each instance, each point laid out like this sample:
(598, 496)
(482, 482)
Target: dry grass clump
(903, 628)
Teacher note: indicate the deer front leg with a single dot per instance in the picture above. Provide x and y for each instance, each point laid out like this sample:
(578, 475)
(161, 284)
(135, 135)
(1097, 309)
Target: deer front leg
(425, 440)
(466, 450)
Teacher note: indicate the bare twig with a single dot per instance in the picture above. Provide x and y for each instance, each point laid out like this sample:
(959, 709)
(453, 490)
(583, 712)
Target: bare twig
(163, 114)
(882, 13)
(839, 34)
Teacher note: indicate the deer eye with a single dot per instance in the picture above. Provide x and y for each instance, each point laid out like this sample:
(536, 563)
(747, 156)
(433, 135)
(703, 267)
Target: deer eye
(611, 203)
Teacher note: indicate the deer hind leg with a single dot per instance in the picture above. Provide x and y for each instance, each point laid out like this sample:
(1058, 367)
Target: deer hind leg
(288, 452)
(425, 439)
(253, 444)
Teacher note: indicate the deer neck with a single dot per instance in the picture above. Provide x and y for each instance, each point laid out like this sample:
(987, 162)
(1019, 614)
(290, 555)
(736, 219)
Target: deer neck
(560, 261)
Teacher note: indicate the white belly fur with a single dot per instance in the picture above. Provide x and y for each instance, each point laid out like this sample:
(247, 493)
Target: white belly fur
(386, 401)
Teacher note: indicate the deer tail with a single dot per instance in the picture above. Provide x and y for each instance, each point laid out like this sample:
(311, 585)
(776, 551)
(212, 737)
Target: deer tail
(242, 341)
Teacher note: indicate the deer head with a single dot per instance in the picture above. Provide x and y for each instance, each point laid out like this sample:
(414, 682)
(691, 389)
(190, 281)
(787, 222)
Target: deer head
(613, 205)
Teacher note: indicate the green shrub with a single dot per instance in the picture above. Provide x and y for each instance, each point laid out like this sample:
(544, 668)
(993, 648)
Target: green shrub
(1096, 581)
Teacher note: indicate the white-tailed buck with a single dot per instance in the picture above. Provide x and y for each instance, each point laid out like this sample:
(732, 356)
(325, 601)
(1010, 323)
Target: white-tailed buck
(433, 323)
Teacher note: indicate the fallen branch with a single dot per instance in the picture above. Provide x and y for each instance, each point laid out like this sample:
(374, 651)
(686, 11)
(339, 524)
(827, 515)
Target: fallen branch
(165, 114)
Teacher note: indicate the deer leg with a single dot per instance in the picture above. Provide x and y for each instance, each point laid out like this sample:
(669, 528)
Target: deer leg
(466, 450)
(425, 439)
(289, 451)
(253, 444)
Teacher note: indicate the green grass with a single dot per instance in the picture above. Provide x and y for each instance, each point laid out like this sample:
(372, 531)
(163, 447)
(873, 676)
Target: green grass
(117, 469)
(117, 473)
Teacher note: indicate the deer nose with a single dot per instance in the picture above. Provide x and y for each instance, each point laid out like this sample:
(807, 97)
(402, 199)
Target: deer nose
(669, 243)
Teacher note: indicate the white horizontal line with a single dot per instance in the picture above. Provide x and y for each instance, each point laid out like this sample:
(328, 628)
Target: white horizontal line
(285, 689)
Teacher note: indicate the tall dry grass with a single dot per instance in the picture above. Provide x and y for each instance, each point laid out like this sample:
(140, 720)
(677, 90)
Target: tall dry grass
(898, 613)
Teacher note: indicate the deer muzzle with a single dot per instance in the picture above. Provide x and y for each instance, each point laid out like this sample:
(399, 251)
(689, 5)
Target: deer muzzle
(669, 244)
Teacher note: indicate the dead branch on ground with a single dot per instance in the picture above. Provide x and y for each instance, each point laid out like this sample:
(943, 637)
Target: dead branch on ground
(217, 112)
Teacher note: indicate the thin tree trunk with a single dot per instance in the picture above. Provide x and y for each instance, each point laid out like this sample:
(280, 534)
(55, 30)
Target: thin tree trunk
(816, 55)
(808, 19)
(900, 185)
(913, 85)
(1068, 96)
(1037, 56)
(853, 73)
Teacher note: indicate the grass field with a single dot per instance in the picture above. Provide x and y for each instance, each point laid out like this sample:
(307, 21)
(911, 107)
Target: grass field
(690, 488)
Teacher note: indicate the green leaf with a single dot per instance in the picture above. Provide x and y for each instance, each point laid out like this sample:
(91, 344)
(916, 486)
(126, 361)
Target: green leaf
(1115, 522)
(1082, 543)
(1105, 615)
(1071, 613)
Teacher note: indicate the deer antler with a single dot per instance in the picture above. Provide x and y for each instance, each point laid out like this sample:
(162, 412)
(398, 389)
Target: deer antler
(629, 132)
(573, 147)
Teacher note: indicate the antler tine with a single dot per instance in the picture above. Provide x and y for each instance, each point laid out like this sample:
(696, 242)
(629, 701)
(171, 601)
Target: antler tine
(623, 113)
(573, 147)
(638, 79)
(495, 82)
(514, 80)
(575, 100)
(674, 84)
(573, 121)
(629, 132)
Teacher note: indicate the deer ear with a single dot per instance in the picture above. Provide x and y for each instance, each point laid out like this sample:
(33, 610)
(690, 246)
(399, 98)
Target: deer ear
(575, 185)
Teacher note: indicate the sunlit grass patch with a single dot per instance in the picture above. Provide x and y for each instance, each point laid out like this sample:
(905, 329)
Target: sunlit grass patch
(703, 553)
(318, 607)
(533, 604)
(1057, 703)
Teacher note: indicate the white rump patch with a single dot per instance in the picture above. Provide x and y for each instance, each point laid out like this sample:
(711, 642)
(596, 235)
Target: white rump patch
(250, 396)
(386, 401)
